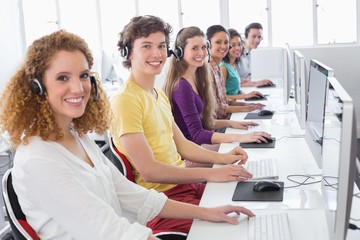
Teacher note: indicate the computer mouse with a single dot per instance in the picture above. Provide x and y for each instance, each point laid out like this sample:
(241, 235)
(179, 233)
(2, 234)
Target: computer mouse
(265, 113)
(269, 140)
(257, 97)
(265, 186)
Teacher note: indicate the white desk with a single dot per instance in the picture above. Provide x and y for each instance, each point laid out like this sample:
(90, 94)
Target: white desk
(304, 204)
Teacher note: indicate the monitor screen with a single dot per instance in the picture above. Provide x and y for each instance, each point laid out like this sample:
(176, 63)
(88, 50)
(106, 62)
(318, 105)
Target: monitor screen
(316, 100)
(268, 63)
(339, 159)
(289, 76)
(300, 88)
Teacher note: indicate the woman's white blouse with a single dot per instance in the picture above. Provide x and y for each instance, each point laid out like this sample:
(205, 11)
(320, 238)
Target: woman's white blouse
(65, 198)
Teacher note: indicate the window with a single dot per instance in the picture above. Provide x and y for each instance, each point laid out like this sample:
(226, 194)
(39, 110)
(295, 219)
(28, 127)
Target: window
(292, 22)
(156, 8)
(114, 15)
(336, 21)
(248, 12)
(38, 22)
(200, 13)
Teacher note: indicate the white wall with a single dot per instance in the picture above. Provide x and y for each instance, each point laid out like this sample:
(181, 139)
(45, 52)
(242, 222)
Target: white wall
(345, 60)
(11, 50)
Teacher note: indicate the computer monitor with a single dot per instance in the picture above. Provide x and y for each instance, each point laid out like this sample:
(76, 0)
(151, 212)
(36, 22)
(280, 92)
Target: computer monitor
(289, 76)
(300, 88)
(316, 102)
(268, 63)
(339, 162)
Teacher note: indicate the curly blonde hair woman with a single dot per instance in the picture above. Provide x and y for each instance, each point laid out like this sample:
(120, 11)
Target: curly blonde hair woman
(25, 114)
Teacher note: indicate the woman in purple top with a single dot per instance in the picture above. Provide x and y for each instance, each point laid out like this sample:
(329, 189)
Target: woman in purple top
(188, 86)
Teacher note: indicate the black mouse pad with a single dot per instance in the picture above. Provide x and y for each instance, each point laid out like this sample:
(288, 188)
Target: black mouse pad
(255, 99)
(267, 86)
(256, 116)
(258, 145)
(244, 192)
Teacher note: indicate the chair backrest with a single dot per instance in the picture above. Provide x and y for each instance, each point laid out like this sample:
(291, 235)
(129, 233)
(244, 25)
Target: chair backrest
(121, 161)
(19, 226)
(169, 235)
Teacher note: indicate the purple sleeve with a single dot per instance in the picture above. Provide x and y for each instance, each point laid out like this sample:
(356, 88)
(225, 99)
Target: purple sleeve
(187, 108)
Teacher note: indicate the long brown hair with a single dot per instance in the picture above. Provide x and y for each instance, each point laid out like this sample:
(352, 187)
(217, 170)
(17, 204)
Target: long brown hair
(203, 77)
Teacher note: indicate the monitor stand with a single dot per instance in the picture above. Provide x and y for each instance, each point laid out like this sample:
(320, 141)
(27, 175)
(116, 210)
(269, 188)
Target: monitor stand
(312, 169)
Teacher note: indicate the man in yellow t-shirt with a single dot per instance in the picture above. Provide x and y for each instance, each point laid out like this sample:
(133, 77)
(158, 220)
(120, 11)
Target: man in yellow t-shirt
(145, 132)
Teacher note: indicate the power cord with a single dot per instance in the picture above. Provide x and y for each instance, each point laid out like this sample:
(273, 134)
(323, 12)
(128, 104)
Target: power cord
(305, 182)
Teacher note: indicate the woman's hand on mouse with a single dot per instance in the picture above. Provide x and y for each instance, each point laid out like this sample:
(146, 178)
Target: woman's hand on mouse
(254, 137)
(254, 94)
(264, 82)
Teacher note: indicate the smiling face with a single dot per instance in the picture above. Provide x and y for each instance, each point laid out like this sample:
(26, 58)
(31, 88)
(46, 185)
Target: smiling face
(149, 54)
(195, 51)
(236, 47)
(219, 45)
(67, 84)
(254, 38)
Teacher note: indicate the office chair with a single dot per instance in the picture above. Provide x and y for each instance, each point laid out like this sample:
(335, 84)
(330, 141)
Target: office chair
(124, 166)
(121, 161)
(20, 227)
(168, 235)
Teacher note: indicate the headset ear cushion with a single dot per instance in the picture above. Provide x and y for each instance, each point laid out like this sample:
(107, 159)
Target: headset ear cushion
(124, 52)
(93, 82)
(208, 44)
(169, 52)
(36, 87)
(179, 52)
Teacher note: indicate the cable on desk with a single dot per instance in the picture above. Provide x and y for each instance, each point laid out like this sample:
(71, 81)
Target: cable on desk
(307, 177)
(357, 195)
(333, 185)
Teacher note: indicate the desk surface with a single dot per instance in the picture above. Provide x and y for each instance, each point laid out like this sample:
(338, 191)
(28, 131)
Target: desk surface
(304, 204)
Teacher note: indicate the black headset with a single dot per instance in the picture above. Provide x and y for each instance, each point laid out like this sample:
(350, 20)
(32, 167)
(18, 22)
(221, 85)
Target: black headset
(38, 89)
(93, 82)
(179, 51)
(125, 52)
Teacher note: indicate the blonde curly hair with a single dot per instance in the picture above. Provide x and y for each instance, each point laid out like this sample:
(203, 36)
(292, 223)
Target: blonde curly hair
(25, 114)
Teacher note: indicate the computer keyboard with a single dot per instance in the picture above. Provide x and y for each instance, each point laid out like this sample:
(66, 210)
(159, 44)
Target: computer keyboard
(263, 168)
(270, 227)
(258, 128)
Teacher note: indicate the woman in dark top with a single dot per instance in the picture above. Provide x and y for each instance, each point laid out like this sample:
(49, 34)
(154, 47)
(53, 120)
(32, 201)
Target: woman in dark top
(188, 87)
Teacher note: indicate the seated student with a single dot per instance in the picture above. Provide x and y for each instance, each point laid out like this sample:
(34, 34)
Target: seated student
(66, 187)
(145, 132)
(188, 86)
(229, 72)
(218, 38)
(253, 37)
